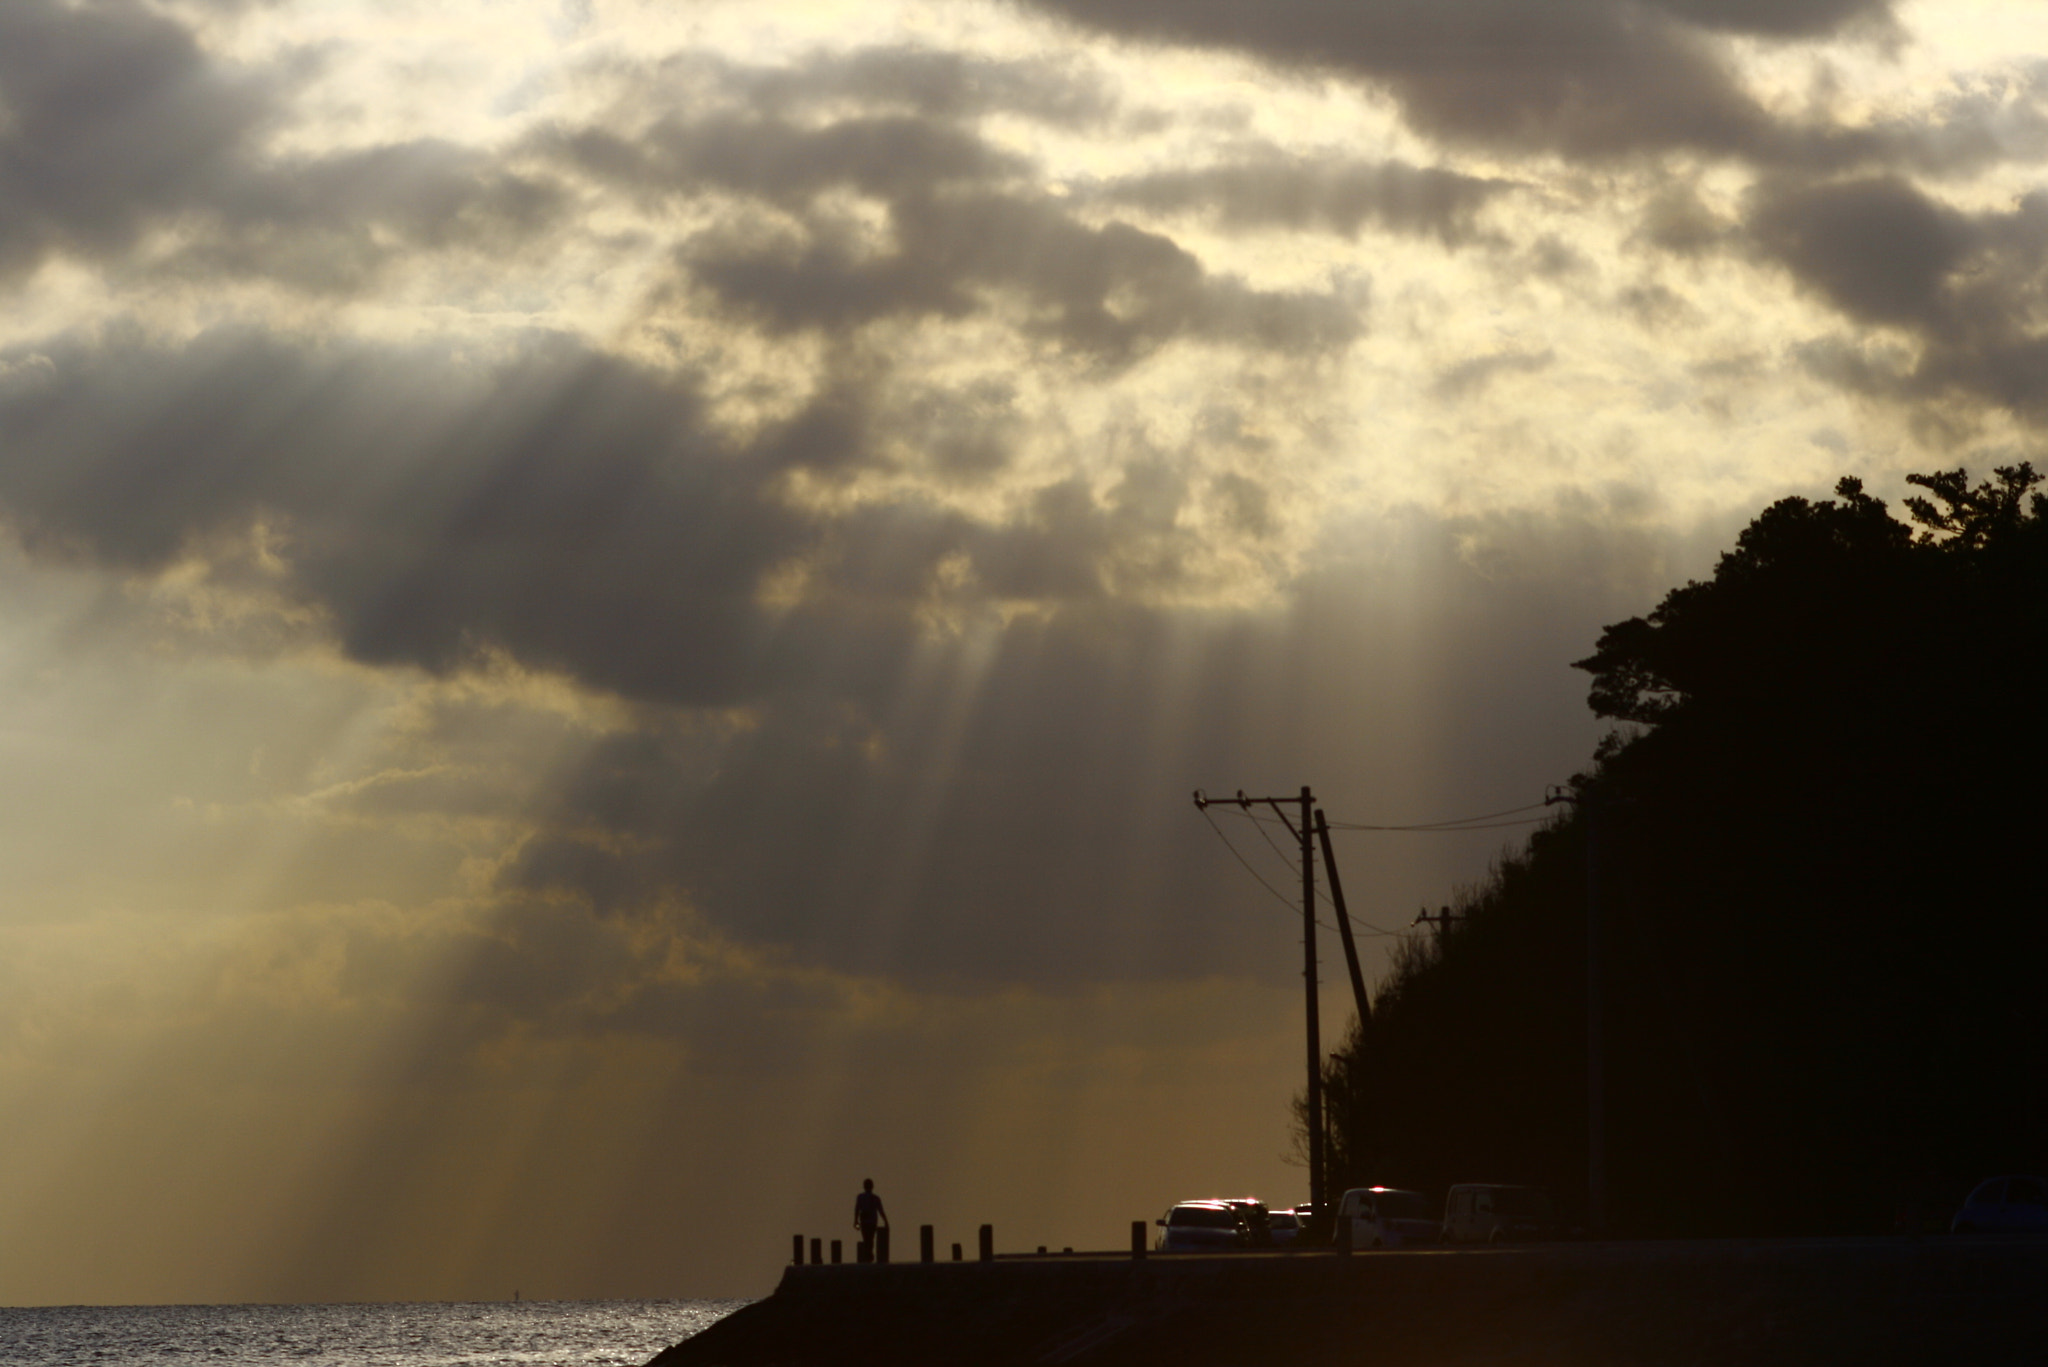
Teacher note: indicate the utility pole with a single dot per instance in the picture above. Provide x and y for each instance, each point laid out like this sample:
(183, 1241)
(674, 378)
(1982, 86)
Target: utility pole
(1305, 834)
(1343, 922)
(1596, 1061)
(1441, 921)
(1316, 1196)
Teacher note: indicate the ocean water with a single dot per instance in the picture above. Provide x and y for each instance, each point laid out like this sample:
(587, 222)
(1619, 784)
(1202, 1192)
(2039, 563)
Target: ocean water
(502, 1334)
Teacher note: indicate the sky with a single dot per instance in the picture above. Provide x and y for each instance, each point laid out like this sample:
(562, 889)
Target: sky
(610, 610)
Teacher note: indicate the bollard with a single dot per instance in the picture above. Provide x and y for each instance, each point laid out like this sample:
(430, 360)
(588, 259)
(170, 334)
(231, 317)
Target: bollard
(796, 1250)
(1137, 1241)
(1041, 1250)
(988, 1243)
(817, 1252)
(924, 1243)
(882, 1244)
(956, 1253)
(835, 1253)
(1343, 1237)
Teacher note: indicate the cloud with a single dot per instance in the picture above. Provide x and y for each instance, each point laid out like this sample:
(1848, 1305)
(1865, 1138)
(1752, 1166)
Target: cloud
(1676, 220)
(1877, 249)
(1012, 809)
(1277, 191)
(566, 560)
(332, 223)
(1114, 292)
(772, 159)
(953, 240)
(1595, 78)
(1807, 19)
(1466, 378)
(431, 507)
(1062, 91)
(579, 514)
(110, 117)
(1971, 288)
(116, 123)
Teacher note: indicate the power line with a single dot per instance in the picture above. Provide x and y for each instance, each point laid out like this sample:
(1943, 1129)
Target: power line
(1482, 821)
(1271, 844)
(1456, 824)
(1452, 827)
(1279, 896)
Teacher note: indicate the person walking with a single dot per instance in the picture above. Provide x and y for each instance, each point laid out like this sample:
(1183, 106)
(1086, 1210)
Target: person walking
(868, 1216)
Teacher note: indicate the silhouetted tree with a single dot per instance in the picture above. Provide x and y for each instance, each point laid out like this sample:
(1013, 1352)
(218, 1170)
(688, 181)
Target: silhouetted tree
(1822, 892)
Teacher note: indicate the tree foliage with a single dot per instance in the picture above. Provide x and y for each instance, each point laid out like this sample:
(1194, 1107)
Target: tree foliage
(1816, 846)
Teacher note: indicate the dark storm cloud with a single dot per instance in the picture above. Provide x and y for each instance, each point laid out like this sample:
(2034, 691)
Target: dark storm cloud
(114, 122)
(331, 223)
(110, 117)
(1596, 78)
(1599, 79)
(1877, 249)
(574, 511)
(888, 122)
(1972, 289)
(1605, 79)
(1774, 19)
(566, 507)
(1112, 291)
(1277, 191)
(1586, 77)
(956, 237)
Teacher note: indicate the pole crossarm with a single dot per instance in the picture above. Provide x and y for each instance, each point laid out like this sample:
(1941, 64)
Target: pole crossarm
(1203, 802)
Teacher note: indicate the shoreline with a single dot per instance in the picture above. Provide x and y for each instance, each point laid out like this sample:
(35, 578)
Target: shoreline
(1729, 1303)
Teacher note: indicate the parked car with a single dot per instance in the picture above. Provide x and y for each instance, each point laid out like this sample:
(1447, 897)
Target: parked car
(1285, 1226)
(1201, 1227)
(1488, 1213)
(1257, 1219)
(1386, 1217)
(2004, 1205)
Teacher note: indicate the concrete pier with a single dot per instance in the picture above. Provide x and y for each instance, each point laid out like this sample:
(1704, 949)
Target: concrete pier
(1724, 1303)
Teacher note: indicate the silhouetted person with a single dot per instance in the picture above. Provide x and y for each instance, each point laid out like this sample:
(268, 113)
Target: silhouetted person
(868, 1215)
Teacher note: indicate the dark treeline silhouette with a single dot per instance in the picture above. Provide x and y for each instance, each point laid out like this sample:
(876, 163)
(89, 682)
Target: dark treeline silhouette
(1822, 870)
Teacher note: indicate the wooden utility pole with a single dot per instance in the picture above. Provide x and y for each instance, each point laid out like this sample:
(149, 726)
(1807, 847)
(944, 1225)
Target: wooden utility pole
(1441, 921)
(1316, 1195)
(1344, 923)
(1305, 834)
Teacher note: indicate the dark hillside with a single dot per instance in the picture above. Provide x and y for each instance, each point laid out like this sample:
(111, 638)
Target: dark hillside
(1819, 852)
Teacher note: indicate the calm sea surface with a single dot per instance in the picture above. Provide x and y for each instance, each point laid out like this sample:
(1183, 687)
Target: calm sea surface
(557, 1333)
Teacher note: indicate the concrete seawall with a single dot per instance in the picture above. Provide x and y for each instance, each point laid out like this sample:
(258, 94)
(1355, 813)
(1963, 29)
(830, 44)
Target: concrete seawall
(1726, 1303)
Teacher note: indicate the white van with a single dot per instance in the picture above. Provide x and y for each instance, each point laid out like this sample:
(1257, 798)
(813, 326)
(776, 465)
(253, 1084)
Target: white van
(1384, 1217)
(1486, 1213)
